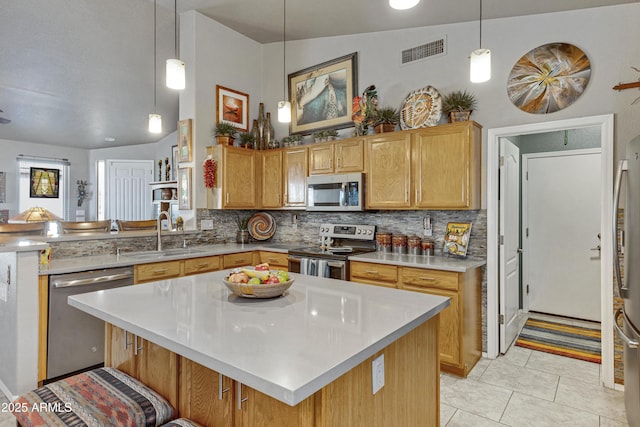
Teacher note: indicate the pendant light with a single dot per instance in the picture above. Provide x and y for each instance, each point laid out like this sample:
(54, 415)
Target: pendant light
(284, 106)
(480, 60)
(155, 119)
(175, 72)
(403, 4)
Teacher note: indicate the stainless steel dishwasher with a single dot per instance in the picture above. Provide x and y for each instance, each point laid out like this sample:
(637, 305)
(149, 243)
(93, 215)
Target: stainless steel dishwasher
(75, 340)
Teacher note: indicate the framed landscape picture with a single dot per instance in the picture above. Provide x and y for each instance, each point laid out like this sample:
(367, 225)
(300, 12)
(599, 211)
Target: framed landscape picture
(321, 96)
(184, 188)
(232, 107)
(184, 140)
(44, 183)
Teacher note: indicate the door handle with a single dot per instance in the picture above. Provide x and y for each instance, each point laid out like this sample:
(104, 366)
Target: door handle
(597, 248)
(519, 250)
(622, 167)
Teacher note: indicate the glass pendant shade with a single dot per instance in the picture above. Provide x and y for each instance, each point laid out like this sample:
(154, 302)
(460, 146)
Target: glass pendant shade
(480, 66)
(175, 74)
(403, 4)
(155, 123)
(284, 111)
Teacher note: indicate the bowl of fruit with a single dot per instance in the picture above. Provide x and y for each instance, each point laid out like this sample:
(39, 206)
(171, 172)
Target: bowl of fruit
(258, 282)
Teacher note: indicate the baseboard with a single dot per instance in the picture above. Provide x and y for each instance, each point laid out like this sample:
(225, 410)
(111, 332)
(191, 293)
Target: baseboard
(6, 392)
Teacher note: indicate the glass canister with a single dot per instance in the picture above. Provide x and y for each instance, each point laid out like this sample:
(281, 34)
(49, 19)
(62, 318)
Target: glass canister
(428, 247)
(414, 245)
(399, 244)
(383, 241)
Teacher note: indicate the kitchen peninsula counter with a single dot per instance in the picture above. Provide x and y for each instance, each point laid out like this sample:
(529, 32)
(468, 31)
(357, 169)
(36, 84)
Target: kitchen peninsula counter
(288, 347)
(437, 262)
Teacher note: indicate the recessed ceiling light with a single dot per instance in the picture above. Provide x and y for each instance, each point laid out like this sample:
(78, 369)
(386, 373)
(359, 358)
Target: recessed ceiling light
(109, 139)
(403, 4)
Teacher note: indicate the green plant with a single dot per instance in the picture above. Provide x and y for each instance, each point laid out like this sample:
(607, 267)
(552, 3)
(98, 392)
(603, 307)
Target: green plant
(246, 138)
(242, 222)
(225, 129)
(386, 115)
(332, 133)
(459, 100)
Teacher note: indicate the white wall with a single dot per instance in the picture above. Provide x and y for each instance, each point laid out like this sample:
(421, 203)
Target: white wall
(10, 150)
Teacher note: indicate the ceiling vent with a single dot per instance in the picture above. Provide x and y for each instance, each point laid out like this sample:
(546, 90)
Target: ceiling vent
(424, 51)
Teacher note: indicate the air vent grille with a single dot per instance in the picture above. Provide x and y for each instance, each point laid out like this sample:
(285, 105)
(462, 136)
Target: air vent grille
(427, 50)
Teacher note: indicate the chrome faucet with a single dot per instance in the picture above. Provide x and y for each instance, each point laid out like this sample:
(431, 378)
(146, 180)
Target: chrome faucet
(167, 215)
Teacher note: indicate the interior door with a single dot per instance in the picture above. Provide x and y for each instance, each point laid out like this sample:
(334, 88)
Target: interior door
(562, 204)
(128, 194)
(510, 242)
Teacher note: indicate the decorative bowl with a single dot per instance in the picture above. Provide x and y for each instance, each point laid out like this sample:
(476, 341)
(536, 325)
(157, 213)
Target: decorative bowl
(263, 290)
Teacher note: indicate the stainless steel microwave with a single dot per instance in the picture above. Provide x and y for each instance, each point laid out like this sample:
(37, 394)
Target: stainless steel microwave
(339, 192)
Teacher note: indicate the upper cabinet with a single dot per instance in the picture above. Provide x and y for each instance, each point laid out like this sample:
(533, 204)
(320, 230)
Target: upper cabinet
(272, 179)
(236, 178)
(430, 168)
(294, 166)
(337, 157)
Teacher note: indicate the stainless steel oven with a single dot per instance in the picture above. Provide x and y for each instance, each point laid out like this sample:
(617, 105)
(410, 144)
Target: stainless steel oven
(331, 258)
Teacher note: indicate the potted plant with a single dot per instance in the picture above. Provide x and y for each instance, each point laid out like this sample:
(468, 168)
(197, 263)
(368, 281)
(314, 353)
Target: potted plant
(459, 104)
(225, 133)
(385, 119)
(332, 134)
(242, 235)
(246, 139)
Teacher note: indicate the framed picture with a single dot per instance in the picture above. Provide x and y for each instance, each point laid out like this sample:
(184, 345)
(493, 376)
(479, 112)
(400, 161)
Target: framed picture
(174, 162)
(232, 107)
(44, 183)
(184, 140)
(456, 239)
(184, 188)
(321, 96)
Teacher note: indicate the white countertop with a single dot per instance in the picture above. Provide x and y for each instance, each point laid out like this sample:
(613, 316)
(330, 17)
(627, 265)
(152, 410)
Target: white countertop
(288, 347)
(438, 262)
(21, 244)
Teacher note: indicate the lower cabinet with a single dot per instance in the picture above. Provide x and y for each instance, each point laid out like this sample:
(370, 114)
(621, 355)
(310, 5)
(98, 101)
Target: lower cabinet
(241, 259)
(276, 260)
(460, 324)
(177, 268)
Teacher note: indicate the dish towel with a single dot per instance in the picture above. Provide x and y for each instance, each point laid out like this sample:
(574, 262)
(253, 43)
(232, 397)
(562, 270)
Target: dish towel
(323, 268)
(304, 265)
(313, 267)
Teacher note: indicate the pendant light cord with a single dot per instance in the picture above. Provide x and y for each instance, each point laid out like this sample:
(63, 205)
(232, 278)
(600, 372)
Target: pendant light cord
(175, 31)
(284, 48)
(155, 95)
(480, 24)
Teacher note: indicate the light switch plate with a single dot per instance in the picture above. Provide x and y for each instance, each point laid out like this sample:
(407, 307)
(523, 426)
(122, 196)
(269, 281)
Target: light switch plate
(377, 373)
(206, 224)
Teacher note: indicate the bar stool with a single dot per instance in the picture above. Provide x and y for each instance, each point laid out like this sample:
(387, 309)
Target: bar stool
(101, 397)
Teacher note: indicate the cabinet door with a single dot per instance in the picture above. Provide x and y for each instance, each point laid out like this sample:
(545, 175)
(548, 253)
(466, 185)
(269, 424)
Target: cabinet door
(295, 177)
(373, 274)
(237, 260)
(206, 397)
(201, 265)
(389, 171)
(446, 174)
(239, 179)
(272, 179)
(276, 260)
(349, 156)
(156, 271)
(321, 159)
(119, 350)
(158, 369)
(257, 409)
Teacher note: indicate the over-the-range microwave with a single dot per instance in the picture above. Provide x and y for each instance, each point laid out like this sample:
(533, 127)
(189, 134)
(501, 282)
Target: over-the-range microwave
(338, 192)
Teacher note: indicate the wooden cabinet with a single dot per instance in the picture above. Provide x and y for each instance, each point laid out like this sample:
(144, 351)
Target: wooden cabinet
(156, 271)
(272, 178)
(153, 365)
(294, 166)
(276, 260)
(201, 265)
(460, 343)
(337, 157)
(389, 171)
(237, 184)
(430, 168)
(237, 260)
(447, 166)
(321, 158)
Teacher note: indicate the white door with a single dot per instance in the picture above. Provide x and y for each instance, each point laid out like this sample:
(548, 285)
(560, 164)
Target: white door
(561, 202)
(510, 242)
(128, 194)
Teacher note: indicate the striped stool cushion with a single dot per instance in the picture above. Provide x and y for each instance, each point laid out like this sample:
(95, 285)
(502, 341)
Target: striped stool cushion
(182, 422)
(102, 397)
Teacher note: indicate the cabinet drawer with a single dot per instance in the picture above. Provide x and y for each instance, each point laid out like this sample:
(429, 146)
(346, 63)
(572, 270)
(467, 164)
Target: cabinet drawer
(237, 260)
(201, 265)
(376, 272)
(418, 278)
(274, 259)
(156, 271)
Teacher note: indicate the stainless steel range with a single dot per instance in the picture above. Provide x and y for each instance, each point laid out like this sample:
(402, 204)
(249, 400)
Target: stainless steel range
(331, 257)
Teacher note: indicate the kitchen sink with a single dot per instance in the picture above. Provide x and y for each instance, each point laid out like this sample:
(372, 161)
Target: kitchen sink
(161, 254)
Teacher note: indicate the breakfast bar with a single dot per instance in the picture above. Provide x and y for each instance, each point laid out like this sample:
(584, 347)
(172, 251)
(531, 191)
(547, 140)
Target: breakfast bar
(324, 353)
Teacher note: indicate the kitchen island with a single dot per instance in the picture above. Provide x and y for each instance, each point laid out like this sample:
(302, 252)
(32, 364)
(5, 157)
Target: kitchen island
(305, 358)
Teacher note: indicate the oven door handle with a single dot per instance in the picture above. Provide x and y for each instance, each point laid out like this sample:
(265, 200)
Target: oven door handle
(338, 264)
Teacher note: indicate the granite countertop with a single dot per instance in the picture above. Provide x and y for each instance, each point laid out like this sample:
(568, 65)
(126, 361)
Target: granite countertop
(438, 262)
(287, 347)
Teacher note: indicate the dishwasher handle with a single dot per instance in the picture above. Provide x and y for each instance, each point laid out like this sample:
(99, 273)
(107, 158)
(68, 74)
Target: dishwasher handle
(67, 283)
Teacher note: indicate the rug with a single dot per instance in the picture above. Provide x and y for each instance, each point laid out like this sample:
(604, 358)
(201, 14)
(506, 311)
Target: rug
(564, 340)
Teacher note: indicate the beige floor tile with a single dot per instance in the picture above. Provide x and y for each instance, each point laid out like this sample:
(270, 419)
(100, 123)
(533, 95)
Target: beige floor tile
(595, 399)
(529, 411)
(473, 396)
(607, 422)
(516, 355)
(479, 369)
(564, 366)
(518, 378)
(446, 412)
(466, 419)
(7, 420)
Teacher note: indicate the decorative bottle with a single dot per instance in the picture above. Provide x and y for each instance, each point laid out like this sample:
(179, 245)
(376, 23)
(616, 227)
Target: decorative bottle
(255, 132)
(261, 127)
(269, 133)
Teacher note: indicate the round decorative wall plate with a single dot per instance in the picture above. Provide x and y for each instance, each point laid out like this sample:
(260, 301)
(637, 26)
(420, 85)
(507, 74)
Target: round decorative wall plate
(549, 78)
(262, 226)
(421, 108)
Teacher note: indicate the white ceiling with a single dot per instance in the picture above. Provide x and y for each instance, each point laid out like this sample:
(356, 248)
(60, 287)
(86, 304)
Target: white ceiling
(73, 72)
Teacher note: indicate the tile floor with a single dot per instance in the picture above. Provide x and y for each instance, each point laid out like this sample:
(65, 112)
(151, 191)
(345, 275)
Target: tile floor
(530, 388)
